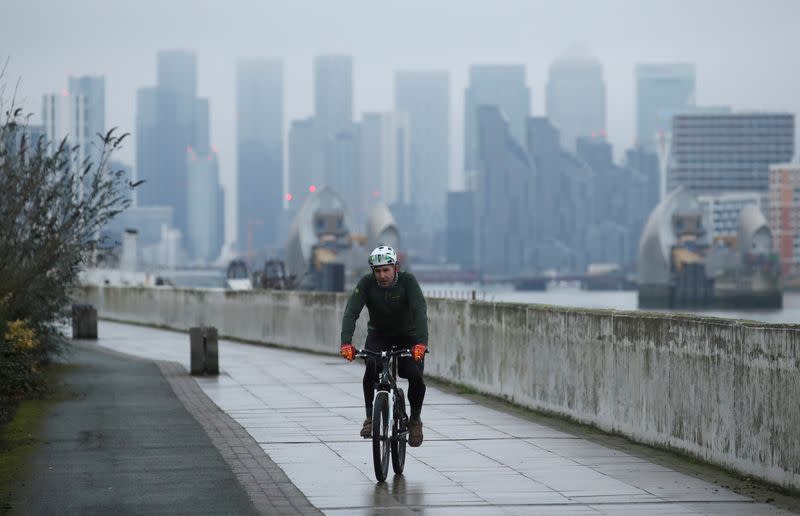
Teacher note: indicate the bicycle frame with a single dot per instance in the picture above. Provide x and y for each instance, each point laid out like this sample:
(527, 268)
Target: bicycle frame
(386, 379)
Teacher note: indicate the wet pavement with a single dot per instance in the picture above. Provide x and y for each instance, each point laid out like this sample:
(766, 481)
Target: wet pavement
(121, 442)
(305, 411)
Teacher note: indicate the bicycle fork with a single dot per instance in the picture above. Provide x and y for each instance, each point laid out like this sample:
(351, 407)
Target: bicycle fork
(389, 397)
(397, 413)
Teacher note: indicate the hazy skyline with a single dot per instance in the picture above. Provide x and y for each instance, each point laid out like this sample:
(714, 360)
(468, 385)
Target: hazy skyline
(744, 51)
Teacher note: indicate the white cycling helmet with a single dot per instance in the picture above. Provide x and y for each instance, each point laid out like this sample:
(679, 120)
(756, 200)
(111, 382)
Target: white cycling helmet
(382, 255)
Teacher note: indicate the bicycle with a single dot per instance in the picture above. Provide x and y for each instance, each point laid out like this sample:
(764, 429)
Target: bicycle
(388, 398)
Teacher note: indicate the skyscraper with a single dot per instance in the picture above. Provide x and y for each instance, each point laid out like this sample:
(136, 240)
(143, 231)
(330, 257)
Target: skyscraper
(333, 106)
(662, 90)
(177, 71)
(460, 229)
(344, 166)
(93, 89)
(717, 153)
(563, 200)
(494, 85)
(201, 126)
(384, 160)
(64, 116)
(301, 149)
(166, 119)
(425, 97)
(576, 98)
(646, 164)
(160, 150)
(620, 197)
(503, 204)
(260, 189)
(204, 197)
(65, 119)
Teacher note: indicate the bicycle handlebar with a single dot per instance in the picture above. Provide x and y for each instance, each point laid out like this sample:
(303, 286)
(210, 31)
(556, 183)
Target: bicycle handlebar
(364, 353)
(402, 352)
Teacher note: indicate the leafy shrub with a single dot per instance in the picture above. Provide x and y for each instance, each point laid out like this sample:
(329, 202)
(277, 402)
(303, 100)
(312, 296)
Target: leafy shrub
(52, 208)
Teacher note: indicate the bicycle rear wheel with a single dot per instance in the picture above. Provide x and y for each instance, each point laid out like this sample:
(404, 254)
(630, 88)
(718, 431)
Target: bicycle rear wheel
(399, 433)
(380, 435)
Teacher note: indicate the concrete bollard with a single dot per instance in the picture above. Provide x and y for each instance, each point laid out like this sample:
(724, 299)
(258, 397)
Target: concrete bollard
(204, 350)
(197, 351)
(84, 322)
(212, 351)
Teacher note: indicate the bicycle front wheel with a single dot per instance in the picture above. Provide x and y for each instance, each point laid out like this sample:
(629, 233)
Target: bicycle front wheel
(380, 435)
(399, 433)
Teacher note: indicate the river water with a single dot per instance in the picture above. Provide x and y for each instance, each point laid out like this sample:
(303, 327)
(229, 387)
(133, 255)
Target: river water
(573, 296)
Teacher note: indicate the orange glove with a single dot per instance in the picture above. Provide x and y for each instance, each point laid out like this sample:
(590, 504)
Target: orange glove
(418, 351)
(348, 351)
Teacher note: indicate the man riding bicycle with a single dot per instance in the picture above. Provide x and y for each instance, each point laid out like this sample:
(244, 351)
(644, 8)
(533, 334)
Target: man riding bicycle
(397, 318)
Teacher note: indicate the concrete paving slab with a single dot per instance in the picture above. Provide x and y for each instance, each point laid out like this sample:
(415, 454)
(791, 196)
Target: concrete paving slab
(305, 410)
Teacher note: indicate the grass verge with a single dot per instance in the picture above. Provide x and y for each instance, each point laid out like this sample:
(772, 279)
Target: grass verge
(18, 434)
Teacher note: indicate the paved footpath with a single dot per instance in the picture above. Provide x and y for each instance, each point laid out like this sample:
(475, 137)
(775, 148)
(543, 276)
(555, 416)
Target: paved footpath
(137, 437)
(304, 411)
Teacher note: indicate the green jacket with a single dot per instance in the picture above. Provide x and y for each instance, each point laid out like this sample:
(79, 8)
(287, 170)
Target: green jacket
(398, 310)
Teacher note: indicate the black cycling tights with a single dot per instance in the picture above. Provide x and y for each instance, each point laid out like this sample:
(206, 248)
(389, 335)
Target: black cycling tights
(406, 368)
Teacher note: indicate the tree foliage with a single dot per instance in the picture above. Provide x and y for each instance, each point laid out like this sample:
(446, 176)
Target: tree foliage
(52, 208)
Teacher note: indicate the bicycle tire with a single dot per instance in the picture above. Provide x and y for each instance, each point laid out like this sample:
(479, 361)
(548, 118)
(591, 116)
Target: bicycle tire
(380, 435)
(398, 442)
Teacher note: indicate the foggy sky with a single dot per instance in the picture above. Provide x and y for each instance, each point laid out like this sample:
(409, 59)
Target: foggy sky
(746, 52)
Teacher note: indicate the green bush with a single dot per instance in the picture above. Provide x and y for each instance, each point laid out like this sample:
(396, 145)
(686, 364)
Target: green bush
(52, 208)
(22, 358)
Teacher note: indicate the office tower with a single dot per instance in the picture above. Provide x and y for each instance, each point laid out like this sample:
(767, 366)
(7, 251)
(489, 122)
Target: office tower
(259, 133)
(576, 99)
(662, 90)
(160, 150)
(65, 121)
(166, 129)
(564, 201)
(301, 149)
(646, 164)
(716, 153)
(784, 215)
(93, 89)
(460, 229)
(343, 158)
(201, 127)
(177, 72)
(384, 160)
(333, 106)
(494, 85)
(609, 243)
(204, 195)
(425, 97)
(64, 118)
(503, 204)
(620, 197)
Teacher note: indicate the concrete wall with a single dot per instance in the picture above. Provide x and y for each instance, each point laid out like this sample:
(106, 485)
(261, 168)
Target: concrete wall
(725, 391)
